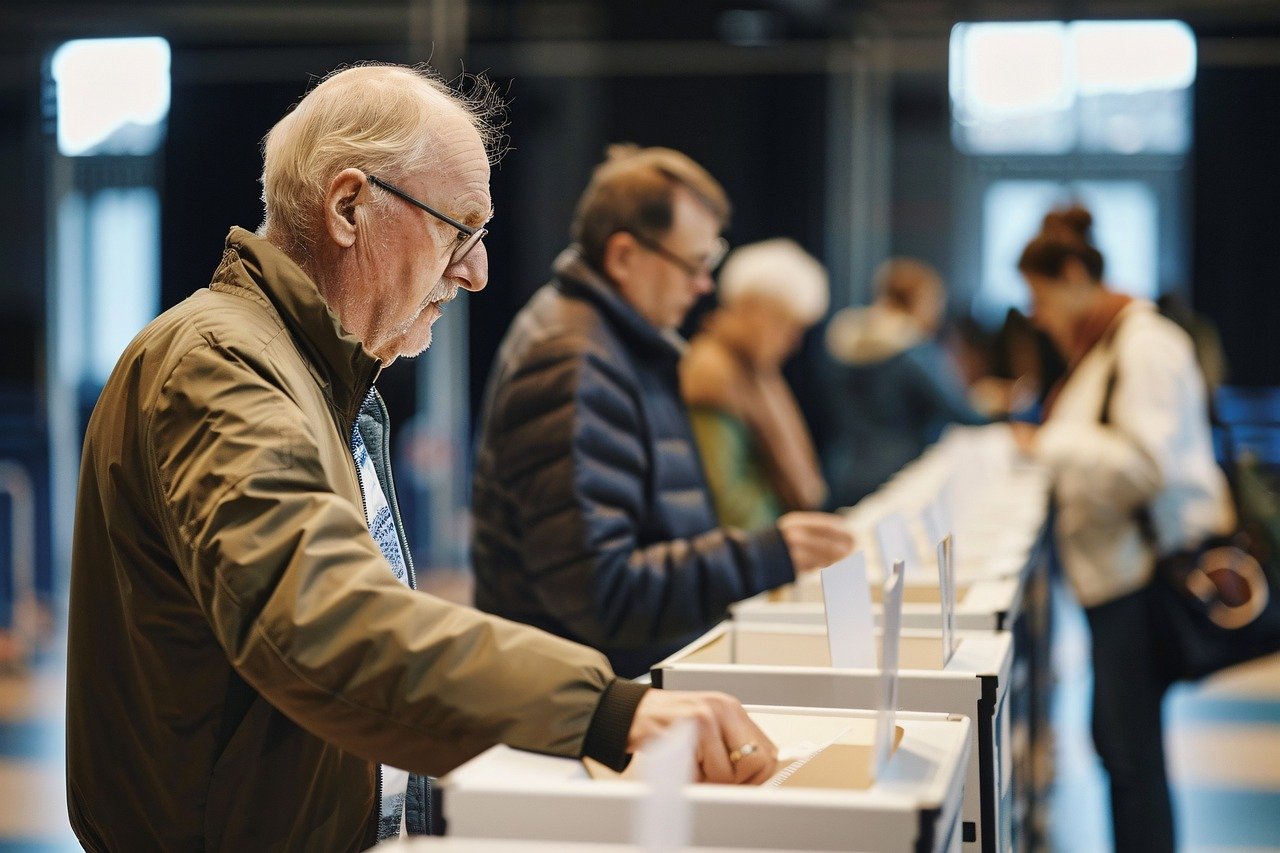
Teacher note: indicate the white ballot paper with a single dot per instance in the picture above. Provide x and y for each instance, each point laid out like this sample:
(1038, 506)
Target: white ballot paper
(937, 517)
(893, 537)
(947, 589)
(850, 625)
(934, 519)
(662, 818)
(891, 631)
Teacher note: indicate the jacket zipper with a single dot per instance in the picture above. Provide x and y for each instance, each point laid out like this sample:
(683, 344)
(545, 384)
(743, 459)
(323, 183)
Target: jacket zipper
(391, 492)
(428, 806)
(364, 509)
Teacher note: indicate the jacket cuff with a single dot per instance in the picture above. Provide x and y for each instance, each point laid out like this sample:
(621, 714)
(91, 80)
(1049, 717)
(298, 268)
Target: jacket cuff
(606, 739)
(775, 560)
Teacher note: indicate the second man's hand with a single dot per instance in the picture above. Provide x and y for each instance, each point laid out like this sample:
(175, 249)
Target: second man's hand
(815, 540)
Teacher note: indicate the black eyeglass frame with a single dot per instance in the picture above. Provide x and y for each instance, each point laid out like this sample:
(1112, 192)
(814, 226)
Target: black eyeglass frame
(467, 235)
(708, 266)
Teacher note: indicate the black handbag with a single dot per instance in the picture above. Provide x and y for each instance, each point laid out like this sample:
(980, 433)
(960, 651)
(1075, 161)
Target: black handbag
(1217, 604)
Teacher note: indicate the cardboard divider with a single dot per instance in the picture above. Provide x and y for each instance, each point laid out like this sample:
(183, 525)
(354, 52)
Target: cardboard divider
(754, 647)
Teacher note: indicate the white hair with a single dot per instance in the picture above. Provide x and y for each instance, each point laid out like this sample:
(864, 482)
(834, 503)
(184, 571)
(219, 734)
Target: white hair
(372, 117)
(780, 270)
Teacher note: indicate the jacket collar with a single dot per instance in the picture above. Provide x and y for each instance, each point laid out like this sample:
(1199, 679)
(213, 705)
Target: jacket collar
(339, 360)
(577, 278)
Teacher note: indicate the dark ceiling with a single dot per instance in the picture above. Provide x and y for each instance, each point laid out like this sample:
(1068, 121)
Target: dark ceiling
(248, 22)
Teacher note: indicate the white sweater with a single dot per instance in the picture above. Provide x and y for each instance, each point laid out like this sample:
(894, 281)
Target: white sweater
(1157, 451)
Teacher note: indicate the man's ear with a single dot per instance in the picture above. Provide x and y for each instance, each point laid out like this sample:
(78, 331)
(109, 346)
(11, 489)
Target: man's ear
(620, 253)
(346, 192)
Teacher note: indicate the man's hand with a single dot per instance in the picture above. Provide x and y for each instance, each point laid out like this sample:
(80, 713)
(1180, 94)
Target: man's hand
(815, 540)
(731, 748)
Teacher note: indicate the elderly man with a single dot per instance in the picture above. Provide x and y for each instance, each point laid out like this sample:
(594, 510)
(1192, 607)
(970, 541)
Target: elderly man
(759, 455)
(592, 515)
(245, 645)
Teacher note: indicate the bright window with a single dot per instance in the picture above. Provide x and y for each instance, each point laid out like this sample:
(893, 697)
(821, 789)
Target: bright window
(1119, 87)
(112, 101)
(113, 95)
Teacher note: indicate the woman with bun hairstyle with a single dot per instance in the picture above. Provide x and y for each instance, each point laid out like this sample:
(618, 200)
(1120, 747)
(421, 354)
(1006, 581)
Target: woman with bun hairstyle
(1125, 434)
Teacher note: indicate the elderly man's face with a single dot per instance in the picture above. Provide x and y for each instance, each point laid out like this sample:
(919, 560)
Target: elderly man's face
(407, 271)
(657, 287)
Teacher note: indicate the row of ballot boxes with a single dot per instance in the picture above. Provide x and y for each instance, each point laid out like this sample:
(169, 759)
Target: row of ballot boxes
(926, 634)
(768, 664)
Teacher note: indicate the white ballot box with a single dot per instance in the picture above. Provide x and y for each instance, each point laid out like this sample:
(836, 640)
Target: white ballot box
(827, 800)
(990, 605)
(777, 664)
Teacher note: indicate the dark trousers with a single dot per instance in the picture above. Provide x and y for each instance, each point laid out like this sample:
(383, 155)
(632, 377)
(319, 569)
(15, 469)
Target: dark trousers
(1128, 729)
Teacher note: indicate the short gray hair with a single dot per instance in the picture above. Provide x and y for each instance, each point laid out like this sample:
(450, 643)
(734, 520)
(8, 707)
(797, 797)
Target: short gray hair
(371, 117)
(780, 270)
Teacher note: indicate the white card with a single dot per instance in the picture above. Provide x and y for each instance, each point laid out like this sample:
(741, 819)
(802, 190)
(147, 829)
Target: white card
(662, 818)
(850, 625)
(890, 635)
(934, 519)
(947, 588)
(893, 537)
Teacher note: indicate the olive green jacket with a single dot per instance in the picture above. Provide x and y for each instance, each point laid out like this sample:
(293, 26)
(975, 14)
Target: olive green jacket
(240, 655)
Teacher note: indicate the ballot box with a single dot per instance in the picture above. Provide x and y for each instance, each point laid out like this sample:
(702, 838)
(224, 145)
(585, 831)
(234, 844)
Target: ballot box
(991, 605)
(776, 664)
(823, 798)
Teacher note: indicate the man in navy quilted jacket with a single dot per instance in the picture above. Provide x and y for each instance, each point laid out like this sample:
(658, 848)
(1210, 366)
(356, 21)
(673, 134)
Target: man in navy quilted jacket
(593, 519)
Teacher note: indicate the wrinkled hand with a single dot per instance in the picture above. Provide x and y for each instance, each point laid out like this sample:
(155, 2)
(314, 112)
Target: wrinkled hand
(722, 728)
(815, 539)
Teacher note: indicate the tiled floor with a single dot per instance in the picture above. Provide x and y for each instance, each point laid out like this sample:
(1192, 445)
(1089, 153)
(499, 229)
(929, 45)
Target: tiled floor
(1223, 742)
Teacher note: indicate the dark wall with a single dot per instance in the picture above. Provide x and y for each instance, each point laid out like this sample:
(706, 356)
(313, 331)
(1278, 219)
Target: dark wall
(1236, 220)
(212, 164)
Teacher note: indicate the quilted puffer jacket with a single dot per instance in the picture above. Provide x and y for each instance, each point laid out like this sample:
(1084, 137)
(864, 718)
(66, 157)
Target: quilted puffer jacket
(592, 516)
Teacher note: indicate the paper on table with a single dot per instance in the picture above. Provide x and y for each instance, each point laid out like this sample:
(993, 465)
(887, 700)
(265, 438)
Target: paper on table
(893, 537)
(936, 518)
(947, 589)
(890, 633)
(662, 819)
(850, 625)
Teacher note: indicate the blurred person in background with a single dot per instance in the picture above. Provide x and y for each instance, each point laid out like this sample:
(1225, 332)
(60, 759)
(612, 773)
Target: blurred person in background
(895, 387)
(592, 516)
(247, 656)
(1211, 355)
(756, 448)
(1125, 435)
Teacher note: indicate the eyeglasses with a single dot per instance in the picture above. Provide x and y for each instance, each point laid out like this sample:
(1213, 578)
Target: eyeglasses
(468, 237)
(708, 264)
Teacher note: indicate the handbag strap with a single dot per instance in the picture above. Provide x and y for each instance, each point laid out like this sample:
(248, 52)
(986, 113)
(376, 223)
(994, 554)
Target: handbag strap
(1142, 516)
